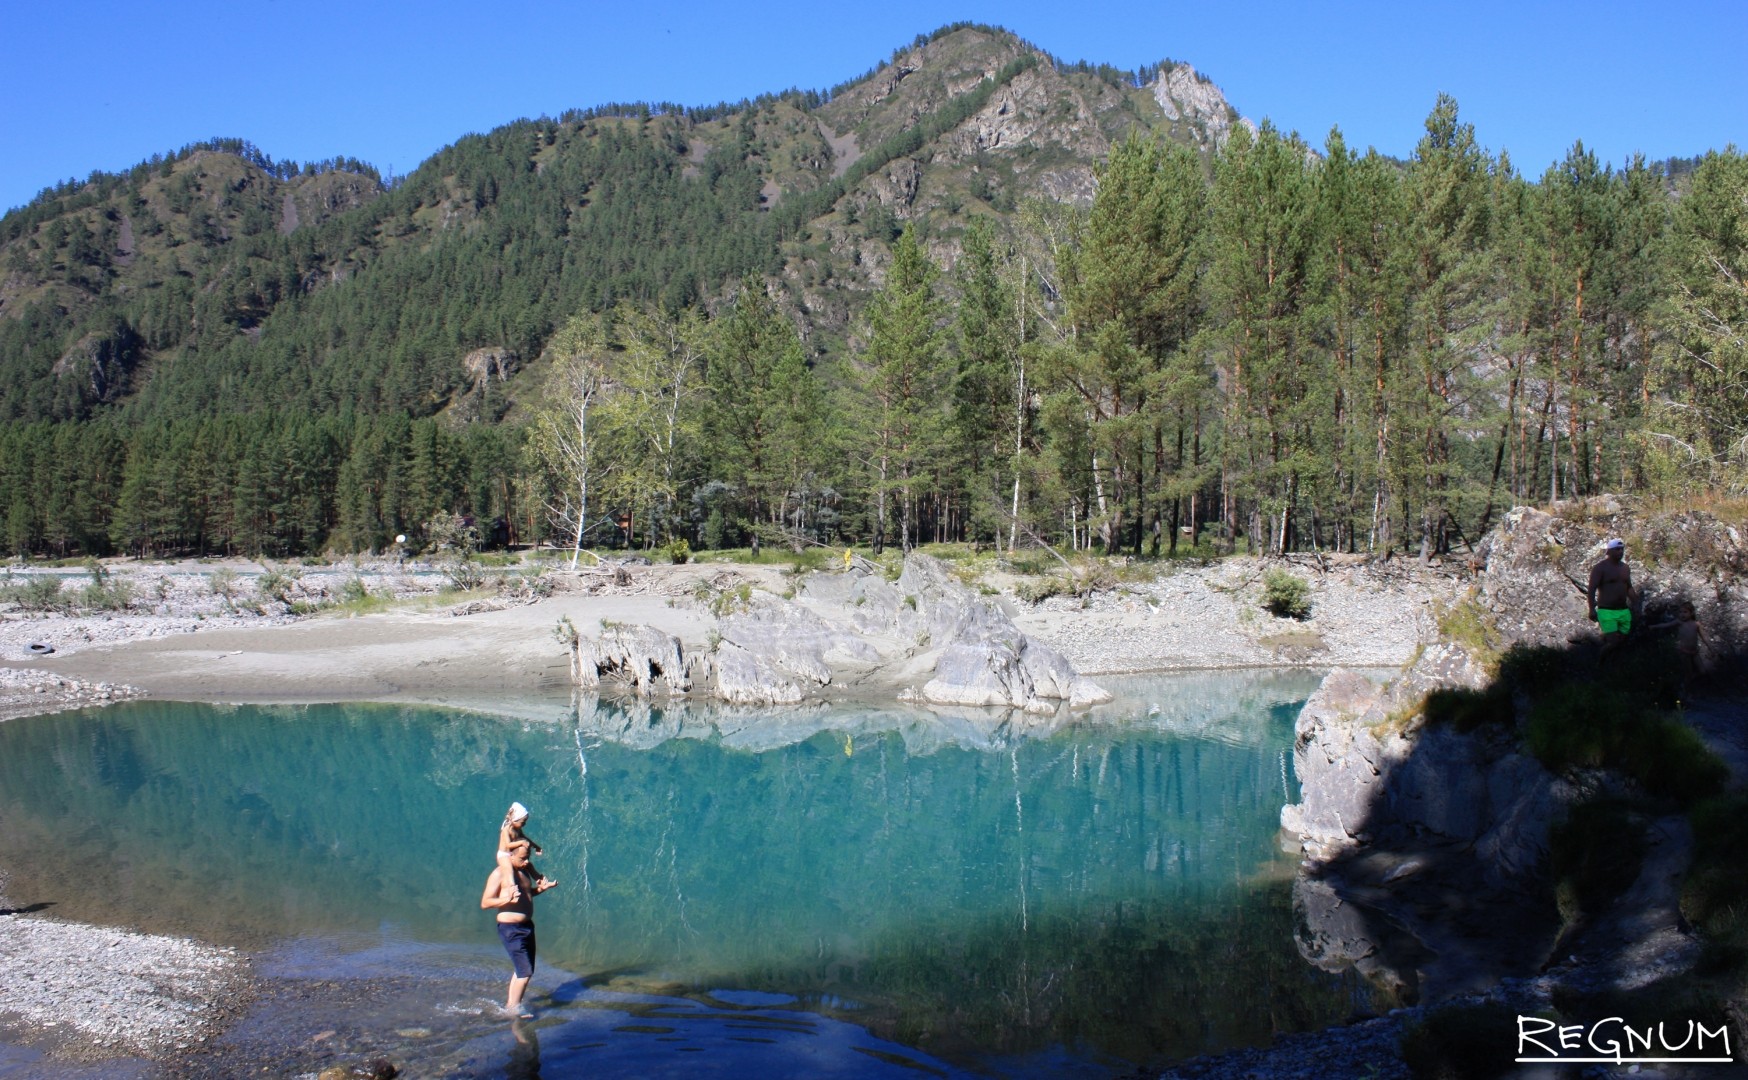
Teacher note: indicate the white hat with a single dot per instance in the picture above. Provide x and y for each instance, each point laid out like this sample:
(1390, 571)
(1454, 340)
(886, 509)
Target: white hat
(1616, 542)
(518, 812)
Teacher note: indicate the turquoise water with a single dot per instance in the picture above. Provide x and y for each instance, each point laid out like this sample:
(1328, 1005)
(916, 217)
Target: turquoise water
(986, 890)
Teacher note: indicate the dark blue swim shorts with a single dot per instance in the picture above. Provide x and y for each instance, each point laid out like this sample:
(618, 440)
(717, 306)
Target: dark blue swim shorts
(518, 939)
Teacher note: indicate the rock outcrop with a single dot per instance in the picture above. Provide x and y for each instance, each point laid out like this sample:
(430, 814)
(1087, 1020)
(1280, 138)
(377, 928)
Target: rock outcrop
(1534, 566)
(776, 651)
(641, 656)
(1428, 848)
(984, 658)
(1369, 773)
(1183, 94)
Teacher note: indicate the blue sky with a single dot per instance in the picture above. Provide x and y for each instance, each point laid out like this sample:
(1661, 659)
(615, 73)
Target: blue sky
(103, 85)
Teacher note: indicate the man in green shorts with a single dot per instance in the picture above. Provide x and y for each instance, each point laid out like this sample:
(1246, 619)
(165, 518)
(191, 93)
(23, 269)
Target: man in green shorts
(1611, 596)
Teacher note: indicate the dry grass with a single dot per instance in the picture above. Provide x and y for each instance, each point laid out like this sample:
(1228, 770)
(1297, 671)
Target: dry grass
(1468, 624)
(1290, 641)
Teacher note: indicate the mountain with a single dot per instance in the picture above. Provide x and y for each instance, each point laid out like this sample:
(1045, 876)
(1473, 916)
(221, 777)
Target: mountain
(215, 281)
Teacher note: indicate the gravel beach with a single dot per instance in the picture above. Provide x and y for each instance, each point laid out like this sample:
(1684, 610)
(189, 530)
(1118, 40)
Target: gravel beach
(85, 992)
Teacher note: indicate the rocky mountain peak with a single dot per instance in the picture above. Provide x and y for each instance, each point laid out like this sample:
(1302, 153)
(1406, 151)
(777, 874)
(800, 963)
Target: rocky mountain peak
(1185, 95)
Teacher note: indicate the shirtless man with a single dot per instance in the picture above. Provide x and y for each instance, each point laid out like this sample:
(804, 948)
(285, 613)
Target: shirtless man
(1611, 596)
(513, 896)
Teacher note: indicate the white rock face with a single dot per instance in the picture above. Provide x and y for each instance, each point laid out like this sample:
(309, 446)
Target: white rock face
(1182, 95)
(778, 651)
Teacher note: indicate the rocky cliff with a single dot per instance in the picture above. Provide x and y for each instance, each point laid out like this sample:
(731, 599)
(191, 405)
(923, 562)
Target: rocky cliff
(1426, 844)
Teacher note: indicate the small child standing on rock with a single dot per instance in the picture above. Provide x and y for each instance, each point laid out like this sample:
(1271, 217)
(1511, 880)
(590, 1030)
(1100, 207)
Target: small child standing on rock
(1688, 638)
(513, 843)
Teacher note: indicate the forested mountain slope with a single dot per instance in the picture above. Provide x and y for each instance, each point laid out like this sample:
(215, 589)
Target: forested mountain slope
(975, 293)
(210, 282)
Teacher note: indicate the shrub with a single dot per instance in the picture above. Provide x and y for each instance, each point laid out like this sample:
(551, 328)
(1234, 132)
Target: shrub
(535, 584)
(1671, 761)
(731, 601)
(107, 594)
(1095, 575)
(40, 593)
(353, 590)
(1715, 894)
(678, 550)
(1595, 855)
(1037, 590)
(223, 583)
(1580, 726)
(1532, 668)
(462, 572)
(1286, 595)
(1468, 624)
(276, 585)
(451, 532)
(1467, 710)
(1577, 726)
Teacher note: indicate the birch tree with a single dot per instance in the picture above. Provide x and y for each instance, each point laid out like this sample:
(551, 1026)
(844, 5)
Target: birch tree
(563, 432)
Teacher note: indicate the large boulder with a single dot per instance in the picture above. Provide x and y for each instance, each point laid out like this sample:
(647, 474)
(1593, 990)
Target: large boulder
(1369, 768)
(743, 678)
(1341, 752)
(794, 639)
(984, 658)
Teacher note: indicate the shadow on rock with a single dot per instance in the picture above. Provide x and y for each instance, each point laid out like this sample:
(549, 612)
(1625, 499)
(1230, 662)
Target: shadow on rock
(1514, 808)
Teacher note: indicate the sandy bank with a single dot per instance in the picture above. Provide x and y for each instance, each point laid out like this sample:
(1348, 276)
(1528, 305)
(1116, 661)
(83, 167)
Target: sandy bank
(469, 652)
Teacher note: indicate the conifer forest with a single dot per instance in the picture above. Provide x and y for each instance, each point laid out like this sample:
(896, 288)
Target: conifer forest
(642, 324)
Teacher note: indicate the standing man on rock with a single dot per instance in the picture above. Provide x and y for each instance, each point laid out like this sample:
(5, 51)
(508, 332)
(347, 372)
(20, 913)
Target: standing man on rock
(513, 895)
(1611, 596)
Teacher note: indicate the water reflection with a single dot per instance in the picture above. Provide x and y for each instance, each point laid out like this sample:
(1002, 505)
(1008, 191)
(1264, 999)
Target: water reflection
(978, 885)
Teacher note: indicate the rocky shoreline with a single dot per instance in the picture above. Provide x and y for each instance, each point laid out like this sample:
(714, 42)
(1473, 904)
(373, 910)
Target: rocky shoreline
(177, 992)
(166, 994)
(92, 993)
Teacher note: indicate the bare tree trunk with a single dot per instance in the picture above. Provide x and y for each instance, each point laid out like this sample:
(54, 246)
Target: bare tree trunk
(1099, 491)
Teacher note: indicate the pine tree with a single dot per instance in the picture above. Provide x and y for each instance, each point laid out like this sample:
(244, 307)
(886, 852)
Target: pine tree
(905, 378)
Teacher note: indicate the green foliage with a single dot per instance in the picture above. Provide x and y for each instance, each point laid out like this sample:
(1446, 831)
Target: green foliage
(448, 532)
(276, 584)
(224, 584)
(677, 550)
(1673, 762)
(39, 592)
(354, 591)
(462, 573)
(106, 593)
(723, 602)
(1035, 590)
(1533, 669)
(1714, 895)
(1257, 343)
(1286, 595)
(1461, 1042)
(1469, 624)
(1468, 710)
(535, 584)
(1584, 726)
(732, 601)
